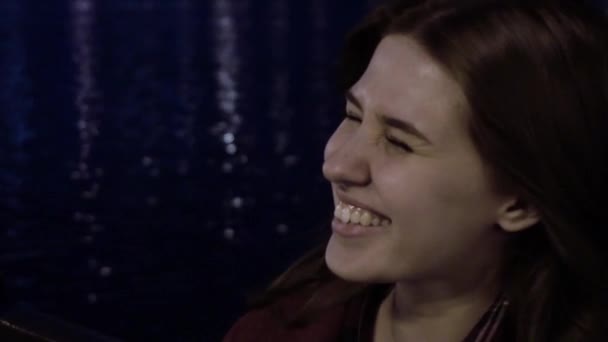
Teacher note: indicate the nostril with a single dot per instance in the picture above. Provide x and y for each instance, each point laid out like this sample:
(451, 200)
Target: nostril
(351, 169)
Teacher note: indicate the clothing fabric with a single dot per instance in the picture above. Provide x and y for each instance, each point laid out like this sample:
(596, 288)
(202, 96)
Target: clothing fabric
(352, 321)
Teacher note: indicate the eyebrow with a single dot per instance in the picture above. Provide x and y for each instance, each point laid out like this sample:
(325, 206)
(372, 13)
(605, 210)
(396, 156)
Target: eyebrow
(390, 121)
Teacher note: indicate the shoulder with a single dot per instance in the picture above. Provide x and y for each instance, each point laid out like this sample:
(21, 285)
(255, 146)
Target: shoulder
(262, 325)
(271, 323)
(274, 322)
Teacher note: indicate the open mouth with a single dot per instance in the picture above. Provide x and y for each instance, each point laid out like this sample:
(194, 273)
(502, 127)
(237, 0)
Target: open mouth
(350, 214)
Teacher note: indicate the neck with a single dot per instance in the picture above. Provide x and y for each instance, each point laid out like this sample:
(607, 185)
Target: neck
(435, 311)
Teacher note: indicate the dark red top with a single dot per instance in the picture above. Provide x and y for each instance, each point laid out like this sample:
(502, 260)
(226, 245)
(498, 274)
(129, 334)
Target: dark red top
(350, 322)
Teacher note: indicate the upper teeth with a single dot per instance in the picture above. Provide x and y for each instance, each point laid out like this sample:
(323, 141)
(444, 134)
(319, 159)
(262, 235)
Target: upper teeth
(348, 213)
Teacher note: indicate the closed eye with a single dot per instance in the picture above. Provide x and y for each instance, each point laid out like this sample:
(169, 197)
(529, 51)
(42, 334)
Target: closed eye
(399, 144)
(393, 141)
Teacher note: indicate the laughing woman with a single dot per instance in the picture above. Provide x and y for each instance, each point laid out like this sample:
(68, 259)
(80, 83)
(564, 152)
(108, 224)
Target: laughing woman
(468, 175)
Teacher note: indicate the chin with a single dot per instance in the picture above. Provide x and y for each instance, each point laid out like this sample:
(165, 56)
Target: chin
(346, 265)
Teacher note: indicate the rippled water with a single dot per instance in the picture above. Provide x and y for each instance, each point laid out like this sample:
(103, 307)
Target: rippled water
(161, 158)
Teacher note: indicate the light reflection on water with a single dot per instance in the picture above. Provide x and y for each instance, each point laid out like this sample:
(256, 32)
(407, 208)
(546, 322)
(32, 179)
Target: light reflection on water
(88, 99)
(153, 151)
(226, 52)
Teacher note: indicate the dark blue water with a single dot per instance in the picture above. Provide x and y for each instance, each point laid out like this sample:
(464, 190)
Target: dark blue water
(161, 159)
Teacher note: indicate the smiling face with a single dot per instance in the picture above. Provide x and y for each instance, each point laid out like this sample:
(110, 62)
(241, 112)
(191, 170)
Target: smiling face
(403, 153)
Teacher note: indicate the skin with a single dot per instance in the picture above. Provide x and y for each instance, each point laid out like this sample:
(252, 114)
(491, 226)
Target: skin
(448, 223)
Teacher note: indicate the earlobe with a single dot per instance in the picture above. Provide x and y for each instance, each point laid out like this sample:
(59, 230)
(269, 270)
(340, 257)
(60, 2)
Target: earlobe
(516, 216)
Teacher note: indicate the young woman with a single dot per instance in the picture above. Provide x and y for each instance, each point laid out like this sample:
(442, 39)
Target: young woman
(468, 177)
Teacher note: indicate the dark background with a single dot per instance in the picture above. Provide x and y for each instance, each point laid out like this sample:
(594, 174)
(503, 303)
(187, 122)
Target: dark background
(161, 159)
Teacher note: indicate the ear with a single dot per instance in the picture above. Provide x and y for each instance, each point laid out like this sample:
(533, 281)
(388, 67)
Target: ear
(516, 215)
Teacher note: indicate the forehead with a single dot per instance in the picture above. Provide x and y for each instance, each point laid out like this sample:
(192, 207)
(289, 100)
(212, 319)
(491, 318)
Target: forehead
(402, 80)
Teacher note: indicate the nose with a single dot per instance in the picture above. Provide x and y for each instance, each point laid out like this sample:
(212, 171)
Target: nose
(346, 161)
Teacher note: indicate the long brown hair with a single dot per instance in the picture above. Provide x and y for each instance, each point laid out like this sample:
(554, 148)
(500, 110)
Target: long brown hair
(535, 74)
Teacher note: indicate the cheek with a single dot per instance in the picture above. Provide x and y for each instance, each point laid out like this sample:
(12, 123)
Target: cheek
(428, 187)
(408, 190)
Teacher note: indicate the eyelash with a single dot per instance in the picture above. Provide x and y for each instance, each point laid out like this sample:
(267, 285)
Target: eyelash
(392, 141)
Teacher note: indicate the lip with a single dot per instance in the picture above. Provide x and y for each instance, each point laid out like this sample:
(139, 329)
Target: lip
(349, 201)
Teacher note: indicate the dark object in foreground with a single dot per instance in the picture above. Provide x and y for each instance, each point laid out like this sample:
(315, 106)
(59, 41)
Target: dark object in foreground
(19, 325)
